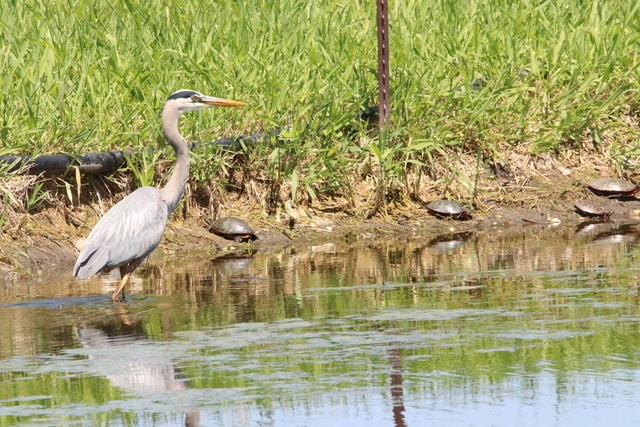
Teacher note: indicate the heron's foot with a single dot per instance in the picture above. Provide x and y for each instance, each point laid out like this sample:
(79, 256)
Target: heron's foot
(118, 297)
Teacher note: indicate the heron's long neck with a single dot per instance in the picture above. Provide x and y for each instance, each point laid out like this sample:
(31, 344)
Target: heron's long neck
(172, 192)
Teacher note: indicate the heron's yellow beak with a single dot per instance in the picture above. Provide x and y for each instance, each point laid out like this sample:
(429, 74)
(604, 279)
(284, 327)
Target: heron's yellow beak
(221, 102)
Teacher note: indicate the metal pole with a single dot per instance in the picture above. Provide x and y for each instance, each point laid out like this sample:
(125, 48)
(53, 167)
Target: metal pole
(383, 62)
(383, 100)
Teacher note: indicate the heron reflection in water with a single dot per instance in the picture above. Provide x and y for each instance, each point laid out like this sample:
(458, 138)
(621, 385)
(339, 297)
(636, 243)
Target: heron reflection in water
(108, 346)
(132, 228)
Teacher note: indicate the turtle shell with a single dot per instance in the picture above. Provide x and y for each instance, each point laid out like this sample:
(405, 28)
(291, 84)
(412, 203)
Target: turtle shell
(233, 228)
(591, 208)
(612, 187)
(448, 208)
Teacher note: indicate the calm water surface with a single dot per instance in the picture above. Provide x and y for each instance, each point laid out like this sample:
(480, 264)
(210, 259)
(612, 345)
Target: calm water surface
(533, 328)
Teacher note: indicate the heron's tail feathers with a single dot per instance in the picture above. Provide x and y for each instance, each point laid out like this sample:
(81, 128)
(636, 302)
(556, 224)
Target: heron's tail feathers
(89, 263)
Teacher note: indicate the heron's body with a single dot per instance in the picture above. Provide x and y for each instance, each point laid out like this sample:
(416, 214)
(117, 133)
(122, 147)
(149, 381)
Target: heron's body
(129, 232)
(133, 228)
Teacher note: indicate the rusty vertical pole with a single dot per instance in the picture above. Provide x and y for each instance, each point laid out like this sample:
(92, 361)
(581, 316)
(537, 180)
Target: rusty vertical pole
(383, 101)
(383, 63)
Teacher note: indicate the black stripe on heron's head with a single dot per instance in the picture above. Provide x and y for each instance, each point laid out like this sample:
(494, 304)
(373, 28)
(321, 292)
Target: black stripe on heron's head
(183, 94)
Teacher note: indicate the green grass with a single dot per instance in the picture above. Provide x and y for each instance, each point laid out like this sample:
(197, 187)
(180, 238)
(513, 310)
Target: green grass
(82, 77)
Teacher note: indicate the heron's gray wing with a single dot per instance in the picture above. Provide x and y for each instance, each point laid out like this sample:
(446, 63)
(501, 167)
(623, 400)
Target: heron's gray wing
(129, 230)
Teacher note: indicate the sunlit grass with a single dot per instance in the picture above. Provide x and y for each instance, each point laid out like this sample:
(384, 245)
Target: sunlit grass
(81, 77)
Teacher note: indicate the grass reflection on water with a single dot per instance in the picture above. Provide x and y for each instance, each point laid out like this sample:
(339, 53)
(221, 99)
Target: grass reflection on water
(380, 332)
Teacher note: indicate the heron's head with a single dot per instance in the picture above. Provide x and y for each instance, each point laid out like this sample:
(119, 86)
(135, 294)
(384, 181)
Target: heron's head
(186, 100)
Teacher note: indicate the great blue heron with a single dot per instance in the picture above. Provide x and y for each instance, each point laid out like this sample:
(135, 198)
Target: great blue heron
(132, 228)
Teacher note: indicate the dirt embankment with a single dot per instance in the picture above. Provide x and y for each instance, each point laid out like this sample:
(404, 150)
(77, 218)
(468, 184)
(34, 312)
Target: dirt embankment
(529, 190)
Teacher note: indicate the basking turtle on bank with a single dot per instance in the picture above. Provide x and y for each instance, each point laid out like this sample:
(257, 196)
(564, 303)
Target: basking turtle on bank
(592, 208)
(232, 228)
(448, 208)
(613, 187)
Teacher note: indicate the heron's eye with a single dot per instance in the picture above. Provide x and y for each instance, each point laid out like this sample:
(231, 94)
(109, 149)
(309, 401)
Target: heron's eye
(194, 98)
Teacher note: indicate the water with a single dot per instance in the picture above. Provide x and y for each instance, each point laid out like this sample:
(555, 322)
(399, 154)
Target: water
(535, 327)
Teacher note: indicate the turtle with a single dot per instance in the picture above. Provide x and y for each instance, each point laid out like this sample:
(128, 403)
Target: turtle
(232, 228)
(593, 209)
(613, 187)
(448, 208)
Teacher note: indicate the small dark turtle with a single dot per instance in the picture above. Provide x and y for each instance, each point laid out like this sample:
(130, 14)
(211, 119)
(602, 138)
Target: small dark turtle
(613, 187)
(232, 228)
(447, 208)
(593, 209)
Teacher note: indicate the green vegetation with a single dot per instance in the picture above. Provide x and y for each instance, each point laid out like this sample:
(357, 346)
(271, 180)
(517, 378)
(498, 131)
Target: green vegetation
(81, 77)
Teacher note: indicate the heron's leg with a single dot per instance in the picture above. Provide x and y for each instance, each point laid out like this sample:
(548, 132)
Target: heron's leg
(125, 272)
(115, 297)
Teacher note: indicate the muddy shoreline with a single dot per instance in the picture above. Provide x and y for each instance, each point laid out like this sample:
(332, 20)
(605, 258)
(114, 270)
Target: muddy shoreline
(46, 243)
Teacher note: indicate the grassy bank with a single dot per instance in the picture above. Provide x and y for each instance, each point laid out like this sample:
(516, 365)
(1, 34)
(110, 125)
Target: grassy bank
(80, 77)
